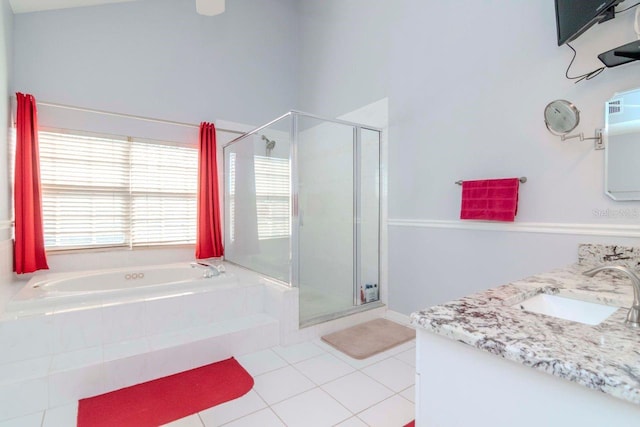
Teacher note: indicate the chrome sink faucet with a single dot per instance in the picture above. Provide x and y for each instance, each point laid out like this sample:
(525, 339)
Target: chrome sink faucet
(633, 317)
(209, 270)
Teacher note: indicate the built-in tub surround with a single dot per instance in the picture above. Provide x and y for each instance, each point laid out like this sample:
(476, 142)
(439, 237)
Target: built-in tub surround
(603, 357)
(66, 344)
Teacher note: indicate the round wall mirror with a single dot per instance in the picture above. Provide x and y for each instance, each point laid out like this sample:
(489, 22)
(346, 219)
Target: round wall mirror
(561, 117)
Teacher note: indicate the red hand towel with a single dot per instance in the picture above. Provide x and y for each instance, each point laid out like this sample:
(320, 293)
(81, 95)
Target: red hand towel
(490, 199)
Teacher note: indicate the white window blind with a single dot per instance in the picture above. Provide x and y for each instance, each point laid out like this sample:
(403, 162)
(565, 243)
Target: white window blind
(105, 191)
(272, 196)
(85, 190)
(164, 184)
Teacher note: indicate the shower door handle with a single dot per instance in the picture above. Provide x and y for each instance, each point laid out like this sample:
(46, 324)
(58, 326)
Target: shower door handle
(296, 210)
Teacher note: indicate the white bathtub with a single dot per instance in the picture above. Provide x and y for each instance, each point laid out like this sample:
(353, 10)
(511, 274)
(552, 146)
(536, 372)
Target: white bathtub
(52, 292)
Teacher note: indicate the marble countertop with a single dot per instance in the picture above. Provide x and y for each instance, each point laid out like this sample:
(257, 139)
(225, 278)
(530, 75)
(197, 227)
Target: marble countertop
(604, 357)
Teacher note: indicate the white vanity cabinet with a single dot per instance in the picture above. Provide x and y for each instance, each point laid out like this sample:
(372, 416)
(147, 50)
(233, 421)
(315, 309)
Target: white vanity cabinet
(459, 385)
(488, 360)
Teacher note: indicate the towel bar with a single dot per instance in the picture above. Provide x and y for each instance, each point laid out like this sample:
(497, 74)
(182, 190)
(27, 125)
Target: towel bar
(522, 179)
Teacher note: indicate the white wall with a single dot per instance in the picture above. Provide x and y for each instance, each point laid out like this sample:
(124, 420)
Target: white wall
(6, 58)
(467, 84)
(344, 52)
(159, 58)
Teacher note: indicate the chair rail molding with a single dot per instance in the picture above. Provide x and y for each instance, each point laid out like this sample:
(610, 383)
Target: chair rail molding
(606, 230)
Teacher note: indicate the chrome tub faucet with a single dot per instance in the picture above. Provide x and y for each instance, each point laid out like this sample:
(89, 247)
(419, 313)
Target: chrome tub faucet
(209, 269)
(633, 317)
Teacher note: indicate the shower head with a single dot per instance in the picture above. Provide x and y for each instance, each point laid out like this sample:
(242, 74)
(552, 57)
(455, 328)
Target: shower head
(270, 142)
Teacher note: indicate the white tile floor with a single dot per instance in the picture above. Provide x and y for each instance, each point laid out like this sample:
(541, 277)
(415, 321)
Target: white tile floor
(305, 385)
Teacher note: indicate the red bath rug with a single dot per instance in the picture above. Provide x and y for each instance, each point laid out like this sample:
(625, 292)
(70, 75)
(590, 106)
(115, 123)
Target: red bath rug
(166, 399)
(411, 424)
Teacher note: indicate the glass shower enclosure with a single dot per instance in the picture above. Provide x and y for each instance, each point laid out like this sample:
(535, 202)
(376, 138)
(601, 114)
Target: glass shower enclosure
(302, 205)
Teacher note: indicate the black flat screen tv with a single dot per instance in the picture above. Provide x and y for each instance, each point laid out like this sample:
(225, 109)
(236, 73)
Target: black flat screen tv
(574, 17)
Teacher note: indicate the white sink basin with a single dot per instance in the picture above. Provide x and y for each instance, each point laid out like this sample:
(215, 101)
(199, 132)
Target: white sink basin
(569, 309)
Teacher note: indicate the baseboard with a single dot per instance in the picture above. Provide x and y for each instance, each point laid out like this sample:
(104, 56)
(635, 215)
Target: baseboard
(403, 319)
(604, 230)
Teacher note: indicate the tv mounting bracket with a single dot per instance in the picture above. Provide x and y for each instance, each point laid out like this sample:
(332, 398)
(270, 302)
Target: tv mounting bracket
(621, 55)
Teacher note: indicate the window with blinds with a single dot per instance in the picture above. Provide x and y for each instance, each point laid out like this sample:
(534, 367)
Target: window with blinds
(107, 191)
(272, 196)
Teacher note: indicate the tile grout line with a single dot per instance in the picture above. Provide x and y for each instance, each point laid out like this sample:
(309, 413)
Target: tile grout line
(270, 408)
(384, 400)
(334, 379)
(200, 419)
(347, 358)
(270, 370)
(301, 360)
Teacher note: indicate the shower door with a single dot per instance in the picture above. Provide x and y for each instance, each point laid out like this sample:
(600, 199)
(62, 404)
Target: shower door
(325, 217)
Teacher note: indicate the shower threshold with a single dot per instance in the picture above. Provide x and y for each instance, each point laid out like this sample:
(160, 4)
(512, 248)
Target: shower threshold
(339, 314)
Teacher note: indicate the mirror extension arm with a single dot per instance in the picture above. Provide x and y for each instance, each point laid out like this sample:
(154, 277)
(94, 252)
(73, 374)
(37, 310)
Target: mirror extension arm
(598, 144)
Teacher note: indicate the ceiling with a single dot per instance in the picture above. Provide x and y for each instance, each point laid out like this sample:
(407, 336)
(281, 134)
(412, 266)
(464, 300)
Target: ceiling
(24, 6)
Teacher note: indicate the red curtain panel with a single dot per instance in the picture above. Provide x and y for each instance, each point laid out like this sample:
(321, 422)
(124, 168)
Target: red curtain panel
(29, 253)
(209, 234)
